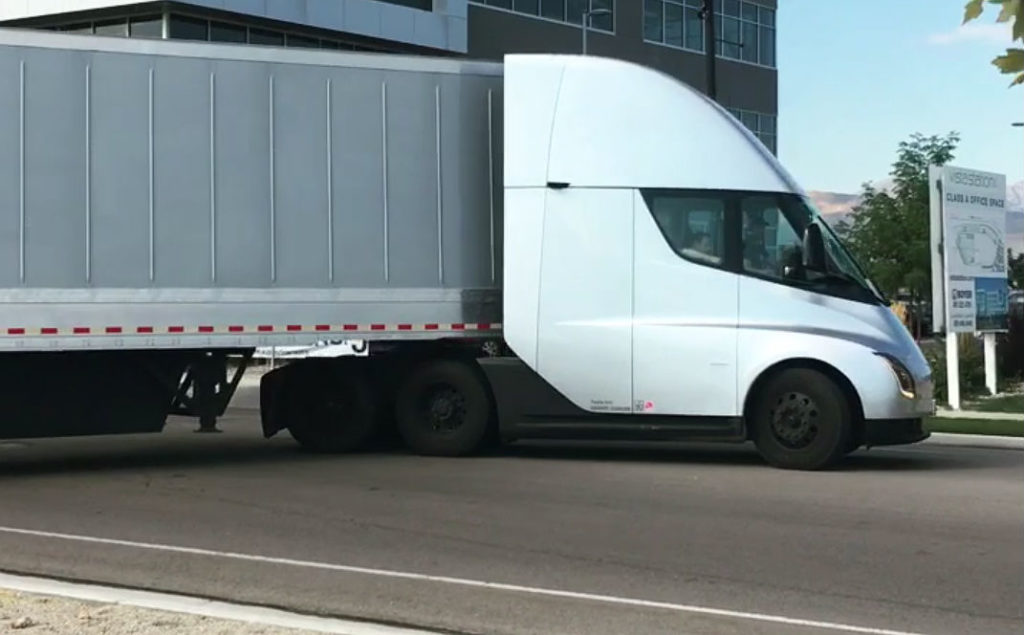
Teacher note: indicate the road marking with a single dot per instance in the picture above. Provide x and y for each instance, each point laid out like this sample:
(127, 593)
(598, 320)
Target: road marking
(195, 606)
(465, 582)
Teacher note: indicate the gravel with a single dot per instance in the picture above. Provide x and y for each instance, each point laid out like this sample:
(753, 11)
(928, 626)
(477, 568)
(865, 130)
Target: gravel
(37, 615)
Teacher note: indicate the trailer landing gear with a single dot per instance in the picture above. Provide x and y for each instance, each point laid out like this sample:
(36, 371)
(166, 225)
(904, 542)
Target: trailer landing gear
(204, 391)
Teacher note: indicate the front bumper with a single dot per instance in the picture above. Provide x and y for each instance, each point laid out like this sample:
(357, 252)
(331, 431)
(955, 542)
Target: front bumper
(879, 432)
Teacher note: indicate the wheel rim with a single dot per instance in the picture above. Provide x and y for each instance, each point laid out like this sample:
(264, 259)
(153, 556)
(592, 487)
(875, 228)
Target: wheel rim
(443, 408)
(795, 420)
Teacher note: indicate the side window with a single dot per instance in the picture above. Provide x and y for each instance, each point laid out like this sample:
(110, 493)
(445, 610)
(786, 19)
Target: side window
(693, 224)
(770, 241)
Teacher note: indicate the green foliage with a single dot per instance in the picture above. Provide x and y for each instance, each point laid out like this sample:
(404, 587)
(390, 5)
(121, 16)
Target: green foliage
(1009, 362)
(972, 367)
(1013, 61)
(1010, 350)
(888, 230)
(1016, 263)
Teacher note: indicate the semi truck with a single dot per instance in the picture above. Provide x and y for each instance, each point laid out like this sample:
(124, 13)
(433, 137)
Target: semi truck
(550, 246)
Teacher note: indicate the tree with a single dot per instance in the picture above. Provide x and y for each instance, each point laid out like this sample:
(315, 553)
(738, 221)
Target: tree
(1016, 270)
(889, 230)
(1013, 61)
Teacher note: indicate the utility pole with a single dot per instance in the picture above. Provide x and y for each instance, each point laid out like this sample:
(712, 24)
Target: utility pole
(707, 13)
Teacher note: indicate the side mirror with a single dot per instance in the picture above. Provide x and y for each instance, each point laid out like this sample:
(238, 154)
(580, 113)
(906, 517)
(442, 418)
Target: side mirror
(814, 248)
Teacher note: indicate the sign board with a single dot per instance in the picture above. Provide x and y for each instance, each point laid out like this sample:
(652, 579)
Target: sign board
(970, 290)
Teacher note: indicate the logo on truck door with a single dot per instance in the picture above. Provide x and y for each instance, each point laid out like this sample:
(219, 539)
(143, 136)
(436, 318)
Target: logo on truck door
(640, 405)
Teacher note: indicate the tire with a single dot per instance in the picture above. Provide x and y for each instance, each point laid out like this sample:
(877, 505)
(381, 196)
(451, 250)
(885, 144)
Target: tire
(332, 410)
(443, 408)
(801, 420)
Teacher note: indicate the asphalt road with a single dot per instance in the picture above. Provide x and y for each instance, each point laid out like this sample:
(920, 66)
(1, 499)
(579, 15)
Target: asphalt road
(920, 539)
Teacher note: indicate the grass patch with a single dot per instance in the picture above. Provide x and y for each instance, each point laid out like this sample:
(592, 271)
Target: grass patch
(1006, 403)
(976, 426)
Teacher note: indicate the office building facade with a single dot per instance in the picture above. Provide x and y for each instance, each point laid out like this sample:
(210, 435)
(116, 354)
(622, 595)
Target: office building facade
(664, 34)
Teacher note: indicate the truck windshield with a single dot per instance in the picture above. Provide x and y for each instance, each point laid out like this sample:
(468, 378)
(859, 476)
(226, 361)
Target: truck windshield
(773, 229)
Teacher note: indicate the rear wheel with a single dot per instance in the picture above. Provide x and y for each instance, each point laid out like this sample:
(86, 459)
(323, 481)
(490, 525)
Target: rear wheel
(444, 409)
(801, 420)
(332, 409)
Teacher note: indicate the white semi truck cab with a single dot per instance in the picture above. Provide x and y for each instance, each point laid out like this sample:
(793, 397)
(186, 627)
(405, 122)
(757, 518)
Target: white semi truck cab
(663, 278)
(553, 247)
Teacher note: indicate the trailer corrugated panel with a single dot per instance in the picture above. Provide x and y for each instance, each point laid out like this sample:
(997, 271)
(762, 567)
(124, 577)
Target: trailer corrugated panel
(259, 193)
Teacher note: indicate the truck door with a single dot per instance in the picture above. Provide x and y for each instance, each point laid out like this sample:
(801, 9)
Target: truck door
(686, 304)
(584, 325)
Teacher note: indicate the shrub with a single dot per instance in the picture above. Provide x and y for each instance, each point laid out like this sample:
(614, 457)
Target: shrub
(972, 367)
(1010, 349)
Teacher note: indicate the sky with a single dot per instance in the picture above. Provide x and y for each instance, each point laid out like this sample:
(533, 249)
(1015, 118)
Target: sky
(856, 77)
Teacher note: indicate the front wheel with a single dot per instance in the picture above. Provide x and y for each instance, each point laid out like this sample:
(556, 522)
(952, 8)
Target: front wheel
(444, 409)
(801, 420)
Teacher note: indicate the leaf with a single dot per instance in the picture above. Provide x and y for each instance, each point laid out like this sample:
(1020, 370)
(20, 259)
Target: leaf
(1012, 62)
(1010, 9)
(1019, 80)
(972, 9)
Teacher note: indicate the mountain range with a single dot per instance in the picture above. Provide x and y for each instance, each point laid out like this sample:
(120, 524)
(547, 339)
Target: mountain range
(836, 206)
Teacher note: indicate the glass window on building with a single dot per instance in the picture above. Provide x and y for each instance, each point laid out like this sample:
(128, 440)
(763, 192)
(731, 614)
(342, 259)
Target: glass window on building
(553, 9)
(676, 23)
(301, 41)
(182, 27)
(762, 125)
(422, 5)
(570, 11)
(83, 28)
(146, 27)
(112, 28)
(531, 7)
(227, 32)
(266, 37)
(654, 22)
(745, 30)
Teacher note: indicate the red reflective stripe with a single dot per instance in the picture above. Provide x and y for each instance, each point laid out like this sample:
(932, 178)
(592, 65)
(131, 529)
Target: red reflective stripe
(262, 328)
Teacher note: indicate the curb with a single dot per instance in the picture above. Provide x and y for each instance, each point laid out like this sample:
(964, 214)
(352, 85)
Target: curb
(173, 603)
(976, 414)
(976, 441)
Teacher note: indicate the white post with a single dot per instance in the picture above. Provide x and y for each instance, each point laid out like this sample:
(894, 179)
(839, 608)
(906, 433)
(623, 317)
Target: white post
(953, 370)
(273, 357)
(990, 363)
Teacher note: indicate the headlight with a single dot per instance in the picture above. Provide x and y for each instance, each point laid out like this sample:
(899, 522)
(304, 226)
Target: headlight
(903, 377)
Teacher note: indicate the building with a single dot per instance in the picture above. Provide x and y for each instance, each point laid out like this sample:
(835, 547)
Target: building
(664, 34)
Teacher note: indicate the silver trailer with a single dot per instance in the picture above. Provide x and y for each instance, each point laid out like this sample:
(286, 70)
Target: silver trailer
(164, 205)
(180, 195)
